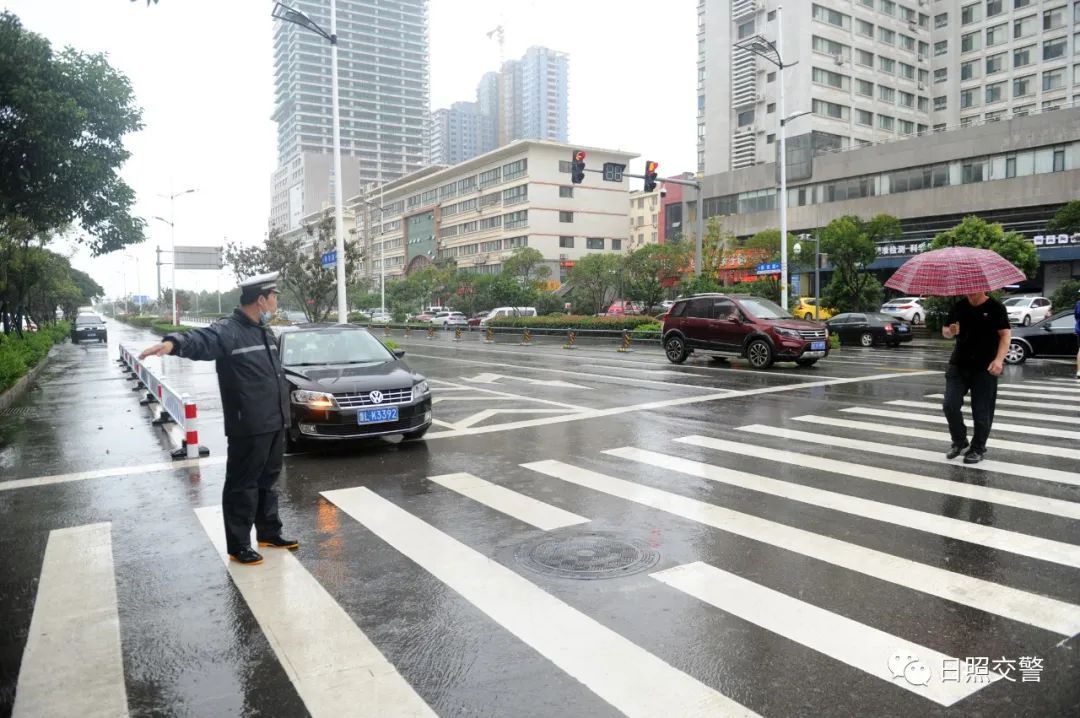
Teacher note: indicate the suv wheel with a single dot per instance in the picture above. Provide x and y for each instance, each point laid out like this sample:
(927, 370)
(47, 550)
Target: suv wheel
(675, 349)
(760, 354)
(866, 339)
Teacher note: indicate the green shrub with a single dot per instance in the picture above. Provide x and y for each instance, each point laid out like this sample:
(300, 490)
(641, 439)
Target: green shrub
(389, 344)
(646, 331)
(17, 356)
(834, 341)
(573, 322)
(164, 327)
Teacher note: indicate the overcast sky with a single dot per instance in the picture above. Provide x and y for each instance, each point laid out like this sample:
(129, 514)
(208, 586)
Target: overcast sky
(202, 72)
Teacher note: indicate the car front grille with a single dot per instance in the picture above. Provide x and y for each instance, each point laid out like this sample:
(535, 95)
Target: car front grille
(389, 396)
(812, 333)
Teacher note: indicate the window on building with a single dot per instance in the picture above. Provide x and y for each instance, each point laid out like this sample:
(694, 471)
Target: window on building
(906, 99)
(769, 139)
(566, 242)
(969, 70)
(970, 13)
(886, 64)
(941, 102)
(830, 109)
(884, 122)
(1053, 49)
(924, 76)
(513, 170)
(941, 20)
(746, 29)
(995, 63)
(746, 117)
(971, 41)
(1024, 86)
(594, 243)
(829, 47)
(1059, 159)
(886, 36)
(864, 58)
(995, 92)
(864, 87)
(1025, 26)
(566, 216)
(1054, 19)
(969, 98)
(924, 104)
(565, 191)
(997, 34)
(863, 117)
(906, 127)
(771, 77)
(994, 7)
(1017, 4)
(864, 28)
(616, 244)
(830, 16)
(832, 79)
(907, 42)
(974, 170)
(924, 49)
(1022, 56)
(888, 7)
(1053, 80)
(770, 108)
(941, 74)
(941, 47)
(907, 71)
(515, 194)
(887, 94)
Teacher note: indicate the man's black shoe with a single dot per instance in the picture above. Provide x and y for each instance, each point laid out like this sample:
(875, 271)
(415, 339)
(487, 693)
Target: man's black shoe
(247, 556)
(278, 542)
(955, 451)
(973, 456)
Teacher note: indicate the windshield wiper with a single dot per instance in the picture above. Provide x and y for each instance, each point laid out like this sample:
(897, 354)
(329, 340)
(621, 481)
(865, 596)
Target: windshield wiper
(341, 363)
(306, 363)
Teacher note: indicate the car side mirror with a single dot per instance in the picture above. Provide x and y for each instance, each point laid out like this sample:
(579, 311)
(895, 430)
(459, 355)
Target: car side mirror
(1047, 327)
(399, 353)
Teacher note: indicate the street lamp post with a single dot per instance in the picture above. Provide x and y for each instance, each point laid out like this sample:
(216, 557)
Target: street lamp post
(172, 228)
(817, 269)
(283, 12)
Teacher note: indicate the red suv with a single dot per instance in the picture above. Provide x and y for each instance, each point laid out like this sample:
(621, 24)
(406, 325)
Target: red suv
(750, 327)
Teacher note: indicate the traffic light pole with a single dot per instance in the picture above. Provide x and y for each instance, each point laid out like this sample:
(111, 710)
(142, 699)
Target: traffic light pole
(700, 214)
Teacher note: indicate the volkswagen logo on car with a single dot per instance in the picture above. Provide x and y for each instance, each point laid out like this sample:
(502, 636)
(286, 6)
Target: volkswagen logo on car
(376, 397)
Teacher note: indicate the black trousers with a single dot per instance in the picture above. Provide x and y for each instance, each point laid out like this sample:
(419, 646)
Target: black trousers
(983, 387)
(249, 497)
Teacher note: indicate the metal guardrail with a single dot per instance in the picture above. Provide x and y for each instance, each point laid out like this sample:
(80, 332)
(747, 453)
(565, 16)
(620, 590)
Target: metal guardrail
(178, 407)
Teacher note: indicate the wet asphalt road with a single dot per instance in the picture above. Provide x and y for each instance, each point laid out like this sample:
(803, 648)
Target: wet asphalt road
(581, 533)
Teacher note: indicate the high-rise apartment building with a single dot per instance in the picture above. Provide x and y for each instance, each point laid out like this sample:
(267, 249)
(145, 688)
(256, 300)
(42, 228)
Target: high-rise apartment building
(874, 70)
(384, 98)
(456, 133)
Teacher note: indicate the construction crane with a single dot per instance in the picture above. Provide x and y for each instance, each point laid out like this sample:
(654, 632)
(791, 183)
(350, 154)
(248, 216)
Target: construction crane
(498, 30)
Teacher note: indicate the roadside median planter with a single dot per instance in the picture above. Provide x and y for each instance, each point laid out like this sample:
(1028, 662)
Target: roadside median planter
(18, 356)
(569, 321)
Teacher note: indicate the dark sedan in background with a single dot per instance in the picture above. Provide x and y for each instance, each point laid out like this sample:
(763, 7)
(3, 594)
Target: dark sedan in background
(869, 328)
(345, 384)
(1053, 337)
(89, 327)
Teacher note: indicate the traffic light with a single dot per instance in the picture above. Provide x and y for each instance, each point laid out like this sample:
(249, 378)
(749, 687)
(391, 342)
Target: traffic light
(577, 171)
(650, 175)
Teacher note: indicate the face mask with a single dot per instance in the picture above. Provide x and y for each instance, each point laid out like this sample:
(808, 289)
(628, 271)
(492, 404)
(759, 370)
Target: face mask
(264, 317)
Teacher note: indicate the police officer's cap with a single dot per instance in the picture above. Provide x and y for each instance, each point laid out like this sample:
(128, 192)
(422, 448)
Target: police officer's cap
(251, 289)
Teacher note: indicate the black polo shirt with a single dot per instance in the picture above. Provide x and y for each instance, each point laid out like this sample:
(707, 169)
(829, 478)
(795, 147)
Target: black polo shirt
(977, 343)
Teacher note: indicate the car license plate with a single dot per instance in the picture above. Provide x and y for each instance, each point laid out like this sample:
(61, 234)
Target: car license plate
(91, 334)
(902, 328)
(817, 346)
(377, 416)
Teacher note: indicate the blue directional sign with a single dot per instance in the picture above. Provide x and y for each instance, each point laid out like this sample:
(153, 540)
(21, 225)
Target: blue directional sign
(329, 259)
(769, 268)
(140, 299)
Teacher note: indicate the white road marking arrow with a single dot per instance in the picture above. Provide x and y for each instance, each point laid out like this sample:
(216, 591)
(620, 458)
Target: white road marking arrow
(488, 378)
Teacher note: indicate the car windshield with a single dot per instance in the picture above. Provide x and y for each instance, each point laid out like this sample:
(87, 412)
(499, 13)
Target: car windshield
(88, 319)
(1017, 302)
(332, 346)
(763, 308)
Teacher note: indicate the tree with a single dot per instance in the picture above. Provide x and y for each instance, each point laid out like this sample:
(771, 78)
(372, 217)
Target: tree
(716, 243)
(62, 127)
(1066, 295)
(849, 242)
(651, 269)
(975, 232)
(527, 265)
(594, 276)
(1067, 219)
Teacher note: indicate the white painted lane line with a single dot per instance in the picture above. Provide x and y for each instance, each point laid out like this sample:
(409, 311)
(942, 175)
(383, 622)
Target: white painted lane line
(72, 664)
(940, 419)
(1012, 413)
(667, 403)
(939, 436)
(625, 675)
(519, 506)
(488, 413)
(1030, 608)
(908, 453)
(843, 639)
(109, 473)
(989, 536)
(1019, 404)
(1003, 497)
(333, 665)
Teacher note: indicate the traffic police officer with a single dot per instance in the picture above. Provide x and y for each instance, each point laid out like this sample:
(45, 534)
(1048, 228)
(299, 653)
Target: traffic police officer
(255, 401)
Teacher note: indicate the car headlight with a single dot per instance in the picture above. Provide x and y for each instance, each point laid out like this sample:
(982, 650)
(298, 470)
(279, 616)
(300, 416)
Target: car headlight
(421, 388)
(319, 399)
(791, 333)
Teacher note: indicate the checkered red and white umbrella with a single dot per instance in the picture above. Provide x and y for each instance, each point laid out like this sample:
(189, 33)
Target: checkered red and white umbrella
(955, 271)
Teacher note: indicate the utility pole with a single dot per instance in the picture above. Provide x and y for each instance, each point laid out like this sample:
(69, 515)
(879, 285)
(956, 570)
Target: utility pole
(158, 298)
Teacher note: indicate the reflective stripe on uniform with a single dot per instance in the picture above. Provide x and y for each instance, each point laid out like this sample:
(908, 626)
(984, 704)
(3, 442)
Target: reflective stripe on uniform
(245, 350)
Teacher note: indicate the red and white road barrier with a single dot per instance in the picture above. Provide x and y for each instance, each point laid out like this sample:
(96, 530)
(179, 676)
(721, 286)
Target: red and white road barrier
(174, 405)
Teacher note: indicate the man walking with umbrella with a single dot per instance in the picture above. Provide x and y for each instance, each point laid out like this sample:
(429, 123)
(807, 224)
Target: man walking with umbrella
(980, 326)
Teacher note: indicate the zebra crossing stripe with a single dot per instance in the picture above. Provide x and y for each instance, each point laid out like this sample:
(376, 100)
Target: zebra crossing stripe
(519, 506)
(1063, 380)
(1064, 388)
(940, 419)
(625, 675)
(334, 667)
(939, 436)
(1039, 395)
(1011, 413)
(990, 536)
(1019, 404)
(933, 457)
(1002, 497)
(843, 639)
(72, 664)
(1030, 608)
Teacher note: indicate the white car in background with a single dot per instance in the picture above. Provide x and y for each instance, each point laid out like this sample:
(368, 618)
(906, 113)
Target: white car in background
(910, 309)
(378, 317)
(451, 319)
(1027, 310)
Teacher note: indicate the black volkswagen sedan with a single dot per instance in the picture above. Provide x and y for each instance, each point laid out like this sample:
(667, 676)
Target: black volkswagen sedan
(869, 328)
(89, 327)
(1053, 337)
(345, 384)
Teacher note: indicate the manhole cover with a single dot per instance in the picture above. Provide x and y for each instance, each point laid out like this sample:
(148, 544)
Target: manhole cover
(27, 412)
(586, 556)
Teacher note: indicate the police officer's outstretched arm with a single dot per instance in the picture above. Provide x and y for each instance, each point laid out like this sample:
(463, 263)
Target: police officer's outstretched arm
(206, 344)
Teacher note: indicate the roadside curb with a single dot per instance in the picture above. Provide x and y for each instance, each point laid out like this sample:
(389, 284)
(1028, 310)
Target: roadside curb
(20, 387)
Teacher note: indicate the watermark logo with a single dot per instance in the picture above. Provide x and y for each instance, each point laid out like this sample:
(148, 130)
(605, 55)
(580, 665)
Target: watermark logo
(904, 664)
